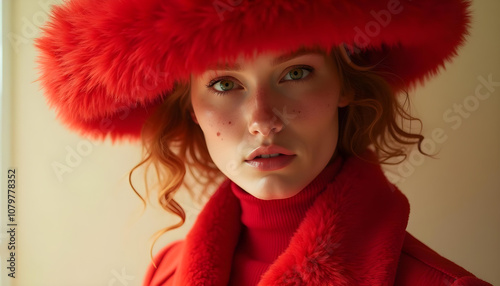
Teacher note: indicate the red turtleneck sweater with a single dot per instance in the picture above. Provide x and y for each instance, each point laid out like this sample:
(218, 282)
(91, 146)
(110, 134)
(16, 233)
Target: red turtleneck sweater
(353, 234)
(268, 226)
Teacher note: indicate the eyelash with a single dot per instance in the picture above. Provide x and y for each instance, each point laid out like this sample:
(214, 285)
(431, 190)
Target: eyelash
(222, 93)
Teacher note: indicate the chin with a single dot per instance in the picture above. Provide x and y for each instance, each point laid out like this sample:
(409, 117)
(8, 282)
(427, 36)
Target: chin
(273, 196)
(273, 191)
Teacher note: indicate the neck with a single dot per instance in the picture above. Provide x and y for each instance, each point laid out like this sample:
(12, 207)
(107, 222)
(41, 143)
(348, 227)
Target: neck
(268, 225)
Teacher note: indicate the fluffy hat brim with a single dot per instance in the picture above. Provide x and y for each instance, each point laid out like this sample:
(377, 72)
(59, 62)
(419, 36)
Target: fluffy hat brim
(105, 65)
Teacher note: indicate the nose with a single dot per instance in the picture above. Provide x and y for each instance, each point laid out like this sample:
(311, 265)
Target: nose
(263, 113)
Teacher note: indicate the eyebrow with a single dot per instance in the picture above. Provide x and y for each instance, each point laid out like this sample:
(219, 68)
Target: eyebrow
(286, 57)
(279, 60)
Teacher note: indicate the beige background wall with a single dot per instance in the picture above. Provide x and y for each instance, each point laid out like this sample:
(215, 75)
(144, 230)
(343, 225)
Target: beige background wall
(85, 226)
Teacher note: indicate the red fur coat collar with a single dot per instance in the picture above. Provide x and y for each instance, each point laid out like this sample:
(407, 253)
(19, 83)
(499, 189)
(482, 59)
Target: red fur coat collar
(352, 235)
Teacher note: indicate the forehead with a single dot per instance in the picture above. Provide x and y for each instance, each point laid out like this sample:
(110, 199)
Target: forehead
(276, 58)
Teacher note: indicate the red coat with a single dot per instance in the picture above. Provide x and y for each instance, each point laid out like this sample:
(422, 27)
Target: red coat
(354, 234)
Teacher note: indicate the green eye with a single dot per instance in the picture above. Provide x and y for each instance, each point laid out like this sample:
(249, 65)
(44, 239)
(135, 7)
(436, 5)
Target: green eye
(297, 73)
(224, 85)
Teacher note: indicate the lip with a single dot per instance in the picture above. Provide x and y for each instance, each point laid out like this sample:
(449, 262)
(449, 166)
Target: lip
(273, 163)
(267, 150)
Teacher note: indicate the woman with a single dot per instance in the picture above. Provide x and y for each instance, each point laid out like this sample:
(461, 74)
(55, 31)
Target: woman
(285, 100)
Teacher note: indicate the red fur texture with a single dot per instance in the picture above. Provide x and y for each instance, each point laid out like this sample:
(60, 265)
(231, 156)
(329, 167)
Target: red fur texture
(105, 64)
(354, 234)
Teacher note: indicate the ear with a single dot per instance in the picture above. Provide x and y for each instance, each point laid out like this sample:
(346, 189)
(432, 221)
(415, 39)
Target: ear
(193, 116)
(345, 98)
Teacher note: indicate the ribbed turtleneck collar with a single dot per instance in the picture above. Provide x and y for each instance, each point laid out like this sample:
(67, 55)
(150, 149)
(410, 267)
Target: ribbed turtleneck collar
(268, 225)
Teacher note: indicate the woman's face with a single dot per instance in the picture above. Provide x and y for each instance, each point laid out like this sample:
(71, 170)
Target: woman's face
(270, 104)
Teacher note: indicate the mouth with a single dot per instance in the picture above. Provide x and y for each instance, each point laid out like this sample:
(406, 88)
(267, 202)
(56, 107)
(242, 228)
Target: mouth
(265, 156)
(267, 152)
(270, 162)
(270, 158)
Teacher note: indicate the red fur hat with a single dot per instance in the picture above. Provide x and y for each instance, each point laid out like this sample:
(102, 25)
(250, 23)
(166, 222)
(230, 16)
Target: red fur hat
(106, 64)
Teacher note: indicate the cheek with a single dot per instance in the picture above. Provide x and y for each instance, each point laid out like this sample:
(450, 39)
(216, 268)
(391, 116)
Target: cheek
(319, 125)
(215, 126)
(215, 117)
(218, 127)
(216, 130)
(318, 108)
(207, 118)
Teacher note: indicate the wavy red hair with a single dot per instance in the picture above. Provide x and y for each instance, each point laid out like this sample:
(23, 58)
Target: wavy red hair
(375, 118)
